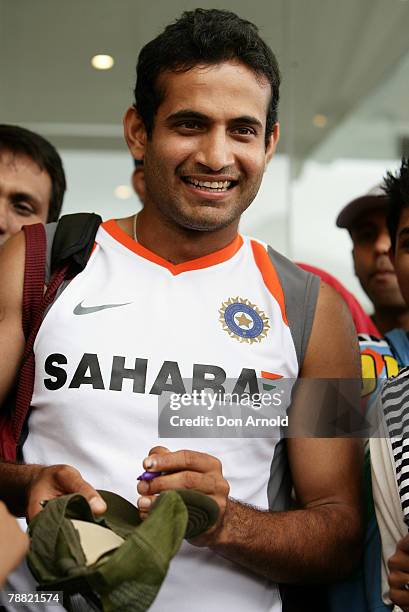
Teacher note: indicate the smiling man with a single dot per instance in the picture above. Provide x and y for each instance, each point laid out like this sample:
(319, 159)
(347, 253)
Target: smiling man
(32, 180)
(187, 304)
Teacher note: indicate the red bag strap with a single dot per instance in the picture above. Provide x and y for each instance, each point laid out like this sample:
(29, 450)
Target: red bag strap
(34, 275)
(25, 384)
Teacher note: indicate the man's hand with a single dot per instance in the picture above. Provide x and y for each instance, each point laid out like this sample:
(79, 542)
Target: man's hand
(58, 480)
(14, 543)
(185, 470)
(399, 575)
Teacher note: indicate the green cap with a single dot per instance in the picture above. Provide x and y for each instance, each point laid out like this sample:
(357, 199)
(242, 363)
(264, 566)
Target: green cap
(116, 561)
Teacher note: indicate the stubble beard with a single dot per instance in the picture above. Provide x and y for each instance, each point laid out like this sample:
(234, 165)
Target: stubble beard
(202, 217)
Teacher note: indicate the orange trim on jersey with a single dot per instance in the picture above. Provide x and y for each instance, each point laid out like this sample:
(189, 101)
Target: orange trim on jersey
(270, 375)
(269, 274)
(212, 259)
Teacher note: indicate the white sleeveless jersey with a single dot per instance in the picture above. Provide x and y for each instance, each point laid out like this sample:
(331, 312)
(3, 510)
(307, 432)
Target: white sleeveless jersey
(127, 327)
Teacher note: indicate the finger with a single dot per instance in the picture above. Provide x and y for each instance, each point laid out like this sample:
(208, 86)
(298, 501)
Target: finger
(156, 451)
(143, 487)
(34, 506)
(397, 579)
(159, 450)
(403, 544)
(399, 597)
(145, 504)
(206, 483)
(73, 482)
(182, 460)
(399, 562)
(37, 499)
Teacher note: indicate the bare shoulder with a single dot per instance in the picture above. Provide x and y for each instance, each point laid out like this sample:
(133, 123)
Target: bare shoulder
(333, 345)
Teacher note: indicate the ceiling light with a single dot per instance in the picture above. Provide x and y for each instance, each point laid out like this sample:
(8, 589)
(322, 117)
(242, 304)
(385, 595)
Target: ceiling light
(320, 120)
(102, 62)
(123, 192)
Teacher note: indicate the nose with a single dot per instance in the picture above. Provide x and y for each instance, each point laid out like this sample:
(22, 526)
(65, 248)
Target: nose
(382, 242)
(215, 150)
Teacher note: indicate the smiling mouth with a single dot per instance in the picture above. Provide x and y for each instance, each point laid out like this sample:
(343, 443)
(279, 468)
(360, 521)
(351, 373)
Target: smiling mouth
(210, 186)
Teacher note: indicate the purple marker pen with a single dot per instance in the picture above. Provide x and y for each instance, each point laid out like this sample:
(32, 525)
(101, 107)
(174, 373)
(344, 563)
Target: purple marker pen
(149, 475)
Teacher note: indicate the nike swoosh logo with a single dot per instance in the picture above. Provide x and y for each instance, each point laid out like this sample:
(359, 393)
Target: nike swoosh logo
(82, 310)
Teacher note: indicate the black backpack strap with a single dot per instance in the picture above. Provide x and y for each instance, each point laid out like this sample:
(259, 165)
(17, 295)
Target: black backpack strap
(74, 240)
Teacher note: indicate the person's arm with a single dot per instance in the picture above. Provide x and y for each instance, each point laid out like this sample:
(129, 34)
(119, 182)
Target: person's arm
(12, 256)
(14, 543)
(321, 540)
(398, 578)
(22, 487)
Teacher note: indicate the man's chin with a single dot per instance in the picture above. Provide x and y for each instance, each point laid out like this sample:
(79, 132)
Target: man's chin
(390, 299)
(205, 223)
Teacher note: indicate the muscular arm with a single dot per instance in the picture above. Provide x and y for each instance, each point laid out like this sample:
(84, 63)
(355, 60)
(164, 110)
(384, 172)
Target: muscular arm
(316, 543)
(321, 540)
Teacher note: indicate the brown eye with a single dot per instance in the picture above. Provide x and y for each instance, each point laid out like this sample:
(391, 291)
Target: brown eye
(189, 126)
(244, 131)
(23, 209)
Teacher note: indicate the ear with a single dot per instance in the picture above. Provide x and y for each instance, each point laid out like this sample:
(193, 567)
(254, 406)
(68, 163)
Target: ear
(135, 133)
(272, 144)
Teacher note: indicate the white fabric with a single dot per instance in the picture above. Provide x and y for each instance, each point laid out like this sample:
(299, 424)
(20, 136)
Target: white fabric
(386, 497)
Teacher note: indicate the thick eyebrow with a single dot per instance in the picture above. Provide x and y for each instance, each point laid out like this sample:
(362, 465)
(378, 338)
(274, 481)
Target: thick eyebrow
(246, 120)
(189, 115)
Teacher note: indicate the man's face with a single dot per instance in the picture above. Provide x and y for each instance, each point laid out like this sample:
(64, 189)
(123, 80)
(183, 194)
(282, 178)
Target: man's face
(25, 192)
(401, 256)
(207, 155)
(371, 260)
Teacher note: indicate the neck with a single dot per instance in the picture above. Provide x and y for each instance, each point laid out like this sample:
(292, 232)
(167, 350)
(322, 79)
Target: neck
(174, 243)
(389, 318)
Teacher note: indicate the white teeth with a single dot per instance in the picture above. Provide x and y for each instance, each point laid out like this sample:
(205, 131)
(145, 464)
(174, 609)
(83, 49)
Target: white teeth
(219, 185)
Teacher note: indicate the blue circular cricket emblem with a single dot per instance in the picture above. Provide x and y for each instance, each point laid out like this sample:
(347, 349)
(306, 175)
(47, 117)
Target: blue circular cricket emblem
(243, 320)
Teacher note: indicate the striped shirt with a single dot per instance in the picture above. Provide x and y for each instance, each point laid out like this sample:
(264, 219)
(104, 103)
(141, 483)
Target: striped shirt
(395, 404)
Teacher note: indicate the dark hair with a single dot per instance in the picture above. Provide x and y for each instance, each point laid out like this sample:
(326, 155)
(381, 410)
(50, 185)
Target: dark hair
(19, 141)
(396, 187)
(203, 37)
